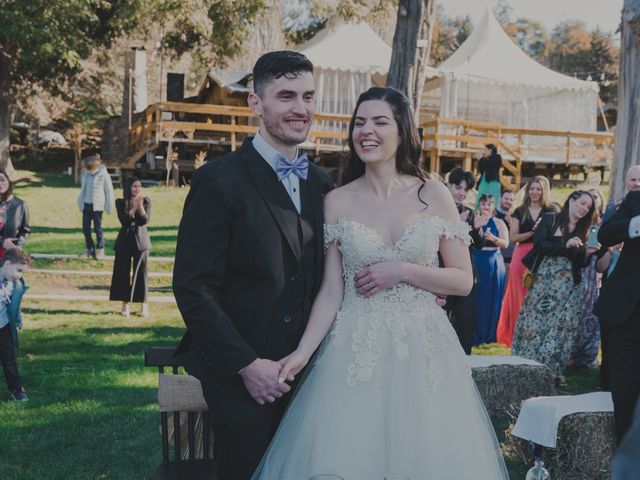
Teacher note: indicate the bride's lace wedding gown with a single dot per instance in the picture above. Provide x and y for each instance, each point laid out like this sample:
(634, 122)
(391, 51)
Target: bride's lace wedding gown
(389, 391)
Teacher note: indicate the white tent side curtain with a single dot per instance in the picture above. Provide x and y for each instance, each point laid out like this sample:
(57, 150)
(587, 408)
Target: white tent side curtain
(517, 106)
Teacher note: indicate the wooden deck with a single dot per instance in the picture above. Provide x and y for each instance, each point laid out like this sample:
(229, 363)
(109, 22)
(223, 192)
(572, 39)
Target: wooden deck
(171, 126)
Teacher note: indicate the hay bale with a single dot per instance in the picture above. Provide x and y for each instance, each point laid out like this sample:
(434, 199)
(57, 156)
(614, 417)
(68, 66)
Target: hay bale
(504, 387)
(584, 448)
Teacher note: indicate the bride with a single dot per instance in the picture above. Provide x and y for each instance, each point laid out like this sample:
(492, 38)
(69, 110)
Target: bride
(388, 391)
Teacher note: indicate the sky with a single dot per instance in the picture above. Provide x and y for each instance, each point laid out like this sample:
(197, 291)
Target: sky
(595, 13)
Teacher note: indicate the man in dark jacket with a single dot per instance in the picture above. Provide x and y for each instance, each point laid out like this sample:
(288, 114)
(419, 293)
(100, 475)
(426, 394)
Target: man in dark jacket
(619, 307)
(249, 264)
(462, 310)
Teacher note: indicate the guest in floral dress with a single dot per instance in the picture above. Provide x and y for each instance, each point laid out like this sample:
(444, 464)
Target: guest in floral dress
(547, 324)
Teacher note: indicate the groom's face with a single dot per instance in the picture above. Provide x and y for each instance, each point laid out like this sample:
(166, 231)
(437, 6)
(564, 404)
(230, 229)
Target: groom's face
(286, 109)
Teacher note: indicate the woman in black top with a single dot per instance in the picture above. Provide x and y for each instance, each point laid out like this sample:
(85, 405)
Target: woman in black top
(550, 315)
(14, 216)
(132, 244)
(537, 202)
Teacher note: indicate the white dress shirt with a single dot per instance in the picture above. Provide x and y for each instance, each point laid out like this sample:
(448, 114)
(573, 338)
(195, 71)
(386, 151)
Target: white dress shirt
(634, 227)
(290, 183)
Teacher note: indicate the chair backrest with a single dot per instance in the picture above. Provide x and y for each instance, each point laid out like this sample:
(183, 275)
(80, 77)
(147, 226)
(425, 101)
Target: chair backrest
(181, 395)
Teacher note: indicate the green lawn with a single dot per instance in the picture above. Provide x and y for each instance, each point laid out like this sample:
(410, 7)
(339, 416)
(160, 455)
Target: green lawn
(57, 223)
(93, 412)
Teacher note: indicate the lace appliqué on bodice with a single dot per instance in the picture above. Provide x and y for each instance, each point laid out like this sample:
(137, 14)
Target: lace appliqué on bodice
(402, 308)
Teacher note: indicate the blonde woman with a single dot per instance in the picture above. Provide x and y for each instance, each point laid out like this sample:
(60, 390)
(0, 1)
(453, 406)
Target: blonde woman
(524, 221)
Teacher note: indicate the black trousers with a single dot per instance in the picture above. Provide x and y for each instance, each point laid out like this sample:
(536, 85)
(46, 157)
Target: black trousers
(242, 431)
(8, 360)
(462, 313)
(88, 216)
(127, 259)
(624, 371)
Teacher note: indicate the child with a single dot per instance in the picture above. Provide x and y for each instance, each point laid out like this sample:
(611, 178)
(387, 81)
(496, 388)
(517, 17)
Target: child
(12, 288)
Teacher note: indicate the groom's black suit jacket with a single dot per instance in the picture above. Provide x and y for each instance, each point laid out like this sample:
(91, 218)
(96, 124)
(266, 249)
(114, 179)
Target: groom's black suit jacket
(247, 266)
(619, 300)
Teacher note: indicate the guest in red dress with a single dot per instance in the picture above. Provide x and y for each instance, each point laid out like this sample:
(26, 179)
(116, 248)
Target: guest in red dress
(524, 220)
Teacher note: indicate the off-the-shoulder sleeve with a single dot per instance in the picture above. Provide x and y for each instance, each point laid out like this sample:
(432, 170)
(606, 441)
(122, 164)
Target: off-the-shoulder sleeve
(456, 229)
(331, 234)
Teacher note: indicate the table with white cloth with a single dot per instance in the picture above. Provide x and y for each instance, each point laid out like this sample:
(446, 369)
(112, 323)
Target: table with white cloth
(504, 382)
(579, 428)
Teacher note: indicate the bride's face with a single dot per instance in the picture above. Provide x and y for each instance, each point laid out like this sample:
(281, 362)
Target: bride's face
(375, 133)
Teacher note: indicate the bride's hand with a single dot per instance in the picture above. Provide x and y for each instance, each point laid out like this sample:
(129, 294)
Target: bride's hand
(378, 277)
(291, 365)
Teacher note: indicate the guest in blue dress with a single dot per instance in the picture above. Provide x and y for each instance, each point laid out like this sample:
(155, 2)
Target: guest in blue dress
(491, 273)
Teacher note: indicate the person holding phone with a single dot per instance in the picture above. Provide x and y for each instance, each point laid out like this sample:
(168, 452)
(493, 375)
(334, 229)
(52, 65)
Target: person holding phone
(547, 324)
(587, 340)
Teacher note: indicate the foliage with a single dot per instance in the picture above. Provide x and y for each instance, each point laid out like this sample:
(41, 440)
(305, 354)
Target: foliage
(531, 36)
(448, 34)
(220, 25)
(44, 41)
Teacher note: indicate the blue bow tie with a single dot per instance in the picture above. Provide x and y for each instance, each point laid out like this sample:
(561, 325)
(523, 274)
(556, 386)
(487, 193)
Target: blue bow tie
(299, 167)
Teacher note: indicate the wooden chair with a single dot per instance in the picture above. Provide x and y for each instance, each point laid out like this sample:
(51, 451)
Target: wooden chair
(181, 395)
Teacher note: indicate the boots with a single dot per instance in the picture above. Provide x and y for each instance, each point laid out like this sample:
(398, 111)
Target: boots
(125, 309)
(99, 254)
(144, 310)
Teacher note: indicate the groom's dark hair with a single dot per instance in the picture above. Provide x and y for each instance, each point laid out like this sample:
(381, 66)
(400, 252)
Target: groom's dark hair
(274, 65)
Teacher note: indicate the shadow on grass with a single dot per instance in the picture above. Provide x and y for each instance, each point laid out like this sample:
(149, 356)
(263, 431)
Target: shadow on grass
(46, 311)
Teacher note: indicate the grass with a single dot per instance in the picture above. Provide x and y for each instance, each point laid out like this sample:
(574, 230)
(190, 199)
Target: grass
(56, 222)
(93, 412)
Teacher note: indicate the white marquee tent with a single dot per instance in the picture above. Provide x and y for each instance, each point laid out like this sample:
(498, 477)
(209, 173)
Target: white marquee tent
(490, 79)
(349, 58)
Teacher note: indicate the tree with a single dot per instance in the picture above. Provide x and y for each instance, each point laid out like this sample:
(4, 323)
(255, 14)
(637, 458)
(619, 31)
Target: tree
(448, 35)
(411, 48)
(628, 126)
(570, 41)
(531, 36)
(43, 42)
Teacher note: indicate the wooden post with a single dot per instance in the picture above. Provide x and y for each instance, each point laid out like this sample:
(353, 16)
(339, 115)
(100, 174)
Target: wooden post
(233, 134)
(566, 163)
(77, 150)
(468, 164)
(627, 139)
(433, 160)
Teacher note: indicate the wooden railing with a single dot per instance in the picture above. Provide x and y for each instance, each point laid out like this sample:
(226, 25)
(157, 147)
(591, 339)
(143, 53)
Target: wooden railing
(463, 138)
(229, 125)
(219, 124)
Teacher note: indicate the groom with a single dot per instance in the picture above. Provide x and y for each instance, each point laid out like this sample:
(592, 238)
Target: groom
(249, 263)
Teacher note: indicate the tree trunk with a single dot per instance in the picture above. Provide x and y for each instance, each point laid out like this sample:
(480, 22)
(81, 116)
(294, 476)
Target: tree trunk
(5, 117)
(411, 47)
(628, 124)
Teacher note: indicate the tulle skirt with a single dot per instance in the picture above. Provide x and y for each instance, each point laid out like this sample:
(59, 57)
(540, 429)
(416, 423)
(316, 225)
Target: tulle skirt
(406, 406)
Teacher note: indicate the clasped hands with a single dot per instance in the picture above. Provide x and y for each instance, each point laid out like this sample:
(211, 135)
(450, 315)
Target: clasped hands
(266, 380)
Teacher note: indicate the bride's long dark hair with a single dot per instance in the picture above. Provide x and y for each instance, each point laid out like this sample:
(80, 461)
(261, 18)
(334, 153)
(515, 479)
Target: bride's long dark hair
(409, 148)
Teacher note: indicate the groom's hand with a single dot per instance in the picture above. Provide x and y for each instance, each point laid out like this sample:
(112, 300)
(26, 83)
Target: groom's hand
(261, 381)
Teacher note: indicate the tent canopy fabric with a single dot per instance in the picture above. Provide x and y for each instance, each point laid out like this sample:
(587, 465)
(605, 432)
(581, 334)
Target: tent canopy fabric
(353, 47)
(489, 55)
(490, 79)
